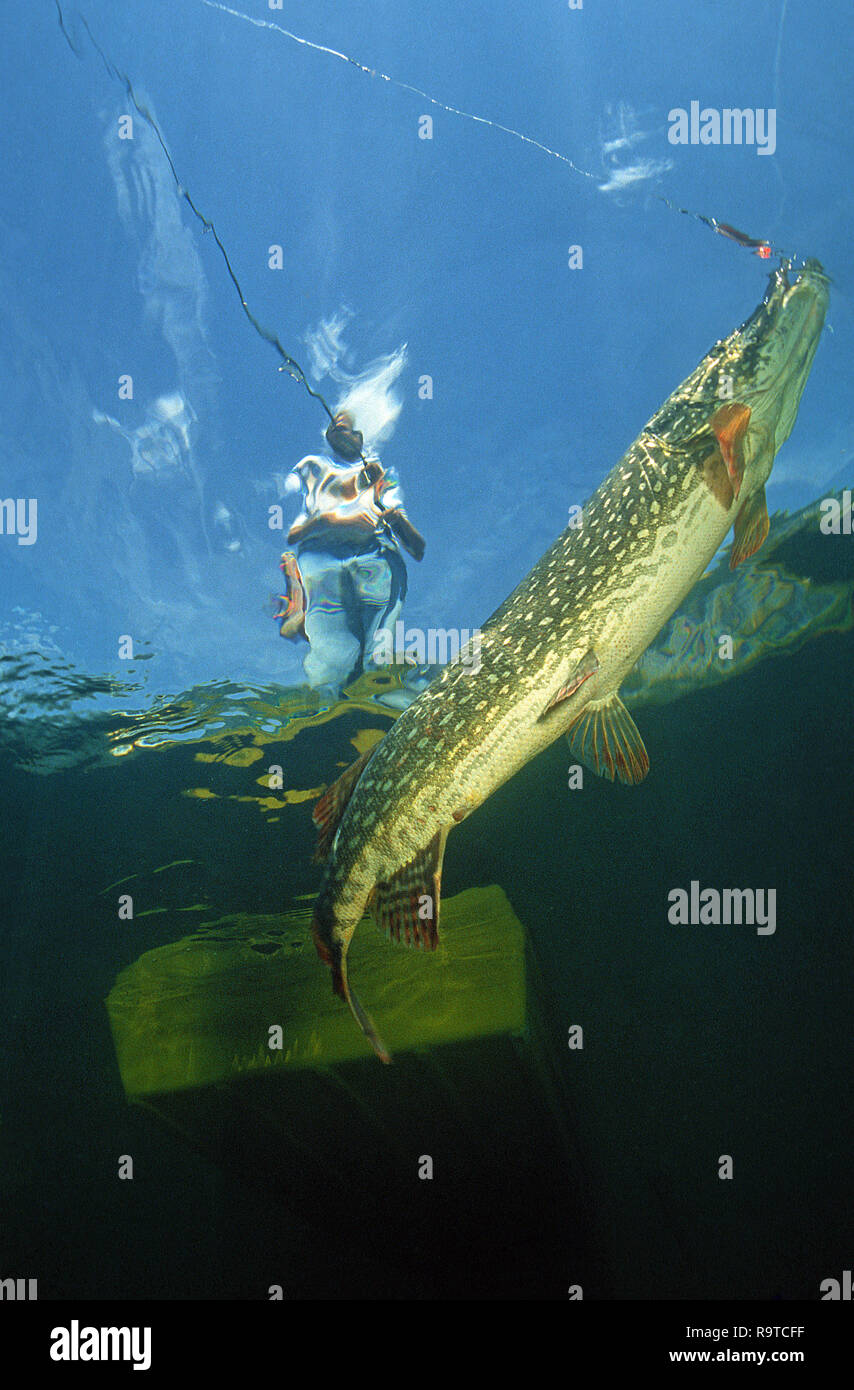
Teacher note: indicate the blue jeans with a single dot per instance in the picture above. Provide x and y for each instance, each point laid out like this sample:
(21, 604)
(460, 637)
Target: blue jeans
(348, 598)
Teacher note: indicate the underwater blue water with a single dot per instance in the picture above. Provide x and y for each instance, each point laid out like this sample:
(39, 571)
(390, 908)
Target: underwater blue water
(456, 246)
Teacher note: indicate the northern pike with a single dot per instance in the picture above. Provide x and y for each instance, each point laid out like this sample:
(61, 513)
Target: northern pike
(553, 656)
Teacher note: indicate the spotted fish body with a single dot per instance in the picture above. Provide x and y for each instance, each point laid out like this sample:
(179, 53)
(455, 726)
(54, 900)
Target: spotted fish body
(553, 656)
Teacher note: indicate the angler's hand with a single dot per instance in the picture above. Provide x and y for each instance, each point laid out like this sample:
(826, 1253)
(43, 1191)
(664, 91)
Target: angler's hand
(410, 539)
(373, 472)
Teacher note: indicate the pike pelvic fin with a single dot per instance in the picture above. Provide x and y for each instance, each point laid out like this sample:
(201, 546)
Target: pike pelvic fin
(397, 904)
(332, 805)
(587, 667)
(717, 479)
(729, 425)
(751, 528)
(606, 739)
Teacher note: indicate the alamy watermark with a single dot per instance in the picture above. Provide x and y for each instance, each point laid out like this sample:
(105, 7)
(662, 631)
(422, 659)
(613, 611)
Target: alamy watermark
(704, 907)
(836, 515)
(432, 646)
(838, 1290)
(727, 126)
(19, 516)
(18, 1290)
(76, 1343)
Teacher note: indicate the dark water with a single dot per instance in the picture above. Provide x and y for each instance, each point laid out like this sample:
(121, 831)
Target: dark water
(699, 1041)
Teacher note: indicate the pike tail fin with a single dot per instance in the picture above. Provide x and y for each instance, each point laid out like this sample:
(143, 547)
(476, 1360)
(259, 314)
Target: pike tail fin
(334, 954)
(364, 1021)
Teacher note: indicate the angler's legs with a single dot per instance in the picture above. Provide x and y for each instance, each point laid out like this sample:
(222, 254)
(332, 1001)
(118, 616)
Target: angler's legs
(334, 654)
(379, 586)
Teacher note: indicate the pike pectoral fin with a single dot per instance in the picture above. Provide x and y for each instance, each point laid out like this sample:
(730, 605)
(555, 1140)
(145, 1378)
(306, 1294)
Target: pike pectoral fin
(730, 426)
(587, 667)
(332, 805)
(750, 529)
(407, 905)
(606, 738)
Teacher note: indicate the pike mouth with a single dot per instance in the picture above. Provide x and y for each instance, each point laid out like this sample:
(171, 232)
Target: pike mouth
(781, 339)
(798, 310)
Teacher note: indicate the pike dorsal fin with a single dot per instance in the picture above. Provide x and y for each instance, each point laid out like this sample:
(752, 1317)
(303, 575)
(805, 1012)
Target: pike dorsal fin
(606, 738)
(730, 426)
(406, 907)
(332, 805)
(750, 529)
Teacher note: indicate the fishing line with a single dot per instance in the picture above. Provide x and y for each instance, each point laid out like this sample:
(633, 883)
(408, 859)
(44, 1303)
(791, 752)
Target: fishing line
(776, 100)
(779, 51)
(396, 82)
(289, 364)
(759, 246)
